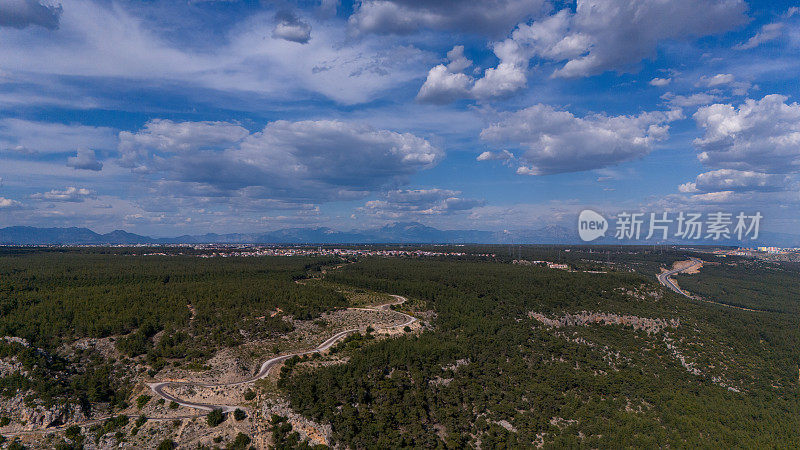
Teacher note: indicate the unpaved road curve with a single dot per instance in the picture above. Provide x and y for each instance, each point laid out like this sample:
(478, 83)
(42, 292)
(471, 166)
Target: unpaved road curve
(158, 388)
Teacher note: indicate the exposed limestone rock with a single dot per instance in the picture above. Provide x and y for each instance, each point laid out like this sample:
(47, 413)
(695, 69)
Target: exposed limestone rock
(17, 340)
(650, 326)
(39, 417)
(10, 366)
(315, 432)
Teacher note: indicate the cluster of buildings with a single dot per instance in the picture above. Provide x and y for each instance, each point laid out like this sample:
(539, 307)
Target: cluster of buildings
(548, 264)
(774, 254)
(776, 250)
(758, 251)
(322, 251)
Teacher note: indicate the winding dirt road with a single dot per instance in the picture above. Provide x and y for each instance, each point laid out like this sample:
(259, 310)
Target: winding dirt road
(158, 388)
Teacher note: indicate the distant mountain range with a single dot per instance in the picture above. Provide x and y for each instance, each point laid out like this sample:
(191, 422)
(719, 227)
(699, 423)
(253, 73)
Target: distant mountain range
(401, 232)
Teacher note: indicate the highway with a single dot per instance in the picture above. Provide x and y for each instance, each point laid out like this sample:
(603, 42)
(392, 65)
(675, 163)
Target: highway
(664, 279)
(158, 388)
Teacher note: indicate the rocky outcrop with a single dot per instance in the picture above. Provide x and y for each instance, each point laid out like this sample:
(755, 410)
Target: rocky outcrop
(10, 366)
(39, 417)
(650, 326)
(27, 414)
(16, 340)
(314, 432)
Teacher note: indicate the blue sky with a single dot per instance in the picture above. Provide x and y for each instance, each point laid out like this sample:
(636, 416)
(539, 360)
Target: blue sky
(173, 117)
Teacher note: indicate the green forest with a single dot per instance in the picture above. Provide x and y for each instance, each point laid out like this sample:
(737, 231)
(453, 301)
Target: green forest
(489, 375)
(508, 355)
(749, 284)
(51, 298)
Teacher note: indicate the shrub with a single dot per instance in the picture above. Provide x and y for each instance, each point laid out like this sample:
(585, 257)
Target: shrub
(64, 445)
(73, 433)
(249, 394)
(215, 417)
(166, 444)
(239, 415)
(240, 443)
(142, 400)
(112, 423)
(173, 405)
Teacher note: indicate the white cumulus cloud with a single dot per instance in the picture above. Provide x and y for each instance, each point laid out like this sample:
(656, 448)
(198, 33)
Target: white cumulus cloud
(688, 101)
(70, 194)
(737, 181)
(85, 159)
(758, 135)
(7, 203)
(490, 17)
(24, 136)
(162, 136)
(556, 141)
(413, 203)
(503, 155)
(457, 61)
(289, 27)
(306, 160)
(718, 79)
(603, 35)
(443, 86)
(23, 13)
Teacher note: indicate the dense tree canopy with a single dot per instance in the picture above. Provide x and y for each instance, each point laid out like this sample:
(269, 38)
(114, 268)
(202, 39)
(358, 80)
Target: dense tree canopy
(489, 374)
(51, 298)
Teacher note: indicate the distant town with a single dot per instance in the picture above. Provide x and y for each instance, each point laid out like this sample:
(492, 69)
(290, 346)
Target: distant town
(765, 253)
(319, 251)
(253, 250)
